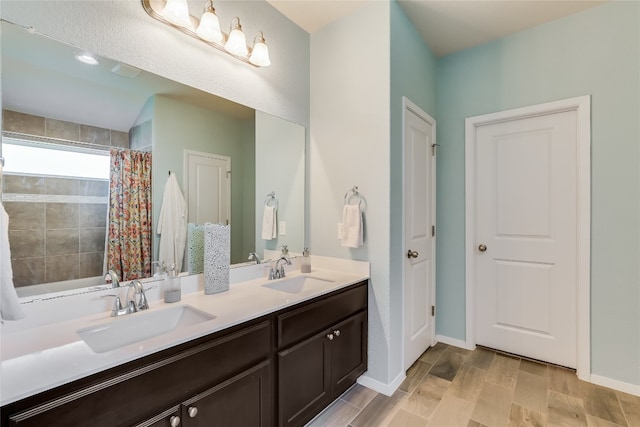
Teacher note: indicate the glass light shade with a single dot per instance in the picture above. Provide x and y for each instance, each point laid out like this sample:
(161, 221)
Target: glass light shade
(209, 28)
(236, 44)
(177, 12)
(260, 55)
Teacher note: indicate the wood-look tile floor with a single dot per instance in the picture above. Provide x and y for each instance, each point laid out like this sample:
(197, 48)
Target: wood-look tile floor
(449, 387)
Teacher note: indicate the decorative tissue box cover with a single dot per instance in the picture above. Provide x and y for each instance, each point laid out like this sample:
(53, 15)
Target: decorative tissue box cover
(217, 257)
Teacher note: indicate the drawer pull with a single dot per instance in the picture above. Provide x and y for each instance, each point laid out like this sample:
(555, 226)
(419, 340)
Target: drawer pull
(337, 332)
(193, 411)
(330, 336)
(174, 421)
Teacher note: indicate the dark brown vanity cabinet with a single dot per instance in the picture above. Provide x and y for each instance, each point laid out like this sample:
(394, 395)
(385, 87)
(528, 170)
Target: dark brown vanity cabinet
(221, 370)
(322, 351)
(238, 402)
(282, 368)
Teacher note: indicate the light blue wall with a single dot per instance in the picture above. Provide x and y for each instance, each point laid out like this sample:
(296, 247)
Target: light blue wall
(178, 126)
(413, 74)
(594, 52)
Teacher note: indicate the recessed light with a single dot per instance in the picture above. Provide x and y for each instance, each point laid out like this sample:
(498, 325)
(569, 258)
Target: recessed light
(87, 58)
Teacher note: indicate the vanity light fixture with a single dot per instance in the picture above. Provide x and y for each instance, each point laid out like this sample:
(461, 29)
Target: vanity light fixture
(237, 43)
(207, 29)
(177, 13)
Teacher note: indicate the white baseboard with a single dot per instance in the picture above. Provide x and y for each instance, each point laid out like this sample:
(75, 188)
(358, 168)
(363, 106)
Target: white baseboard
(453, 341)
(616, 385)
(386, 389)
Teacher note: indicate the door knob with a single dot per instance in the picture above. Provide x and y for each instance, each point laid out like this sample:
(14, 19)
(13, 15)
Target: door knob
(482, 247)
(412, 254)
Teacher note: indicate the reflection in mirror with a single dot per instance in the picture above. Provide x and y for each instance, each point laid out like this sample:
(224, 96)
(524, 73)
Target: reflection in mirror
(58, 218)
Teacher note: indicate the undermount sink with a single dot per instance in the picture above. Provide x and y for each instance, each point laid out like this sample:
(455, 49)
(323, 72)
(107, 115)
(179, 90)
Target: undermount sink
(140, 326)
(297, 284)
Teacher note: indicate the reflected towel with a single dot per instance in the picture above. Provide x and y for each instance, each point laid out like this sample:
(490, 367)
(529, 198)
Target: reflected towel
(352, 235)
(9, 304)
(172, 224)
(217, 257)
(269, 218)
(195, 245)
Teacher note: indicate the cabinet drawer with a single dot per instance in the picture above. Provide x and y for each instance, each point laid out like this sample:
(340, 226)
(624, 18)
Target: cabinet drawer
(138, 394)
(312, 318)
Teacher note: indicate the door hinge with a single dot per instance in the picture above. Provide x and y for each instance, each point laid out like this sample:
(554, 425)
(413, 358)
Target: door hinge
(228, 174)
(433, 231)
(433, 310)
(433, 149)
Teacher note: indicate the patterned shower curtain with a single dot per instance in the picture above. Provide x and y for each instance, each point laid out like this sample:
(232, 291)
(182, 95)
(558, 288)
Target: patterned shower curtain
(129, 235)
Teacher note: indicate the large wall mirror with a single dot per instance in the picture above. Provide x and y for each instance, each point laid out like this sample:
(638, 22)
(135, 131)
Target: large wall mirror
(62, 116)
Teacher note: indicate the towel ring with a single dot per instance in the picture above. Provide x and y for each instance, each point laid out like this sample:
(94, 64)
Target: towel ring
(352, 194)
(271, 197)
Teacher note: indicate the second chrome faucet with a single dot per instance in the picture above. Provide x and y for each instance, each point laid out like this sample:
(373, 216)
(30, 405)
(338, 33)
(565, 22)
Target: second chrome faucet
(136, 300)
(278, 272)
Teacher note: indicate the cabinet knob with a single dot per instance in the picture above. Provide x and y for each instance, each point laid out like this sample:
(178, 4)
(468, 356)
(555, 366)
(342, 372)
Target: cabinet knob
(174, 421)
(193, 411)
(337, 332)
(330, 336)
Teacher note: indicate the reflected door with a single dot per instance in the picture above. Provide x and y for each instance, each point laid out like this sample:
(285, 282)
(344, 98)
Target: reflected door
(208, 184)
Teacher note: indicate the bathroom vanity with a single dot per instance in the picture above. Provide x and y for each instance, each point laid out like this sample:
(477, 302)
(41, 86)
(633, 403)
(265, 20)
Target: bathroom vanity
(265, 353)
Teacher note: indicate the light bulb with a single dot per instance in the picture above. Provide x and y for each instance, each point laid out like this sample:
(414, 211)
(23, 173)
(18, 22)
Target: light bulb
(177, 12)
(209, 28)
(260, 53)
(236, 44)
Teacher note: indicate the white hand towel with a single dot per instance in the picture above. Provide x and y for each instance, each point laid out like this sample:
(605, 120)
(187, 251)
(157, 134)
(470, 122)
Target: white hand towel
(269, 230)
(352, 235)
(9, 304)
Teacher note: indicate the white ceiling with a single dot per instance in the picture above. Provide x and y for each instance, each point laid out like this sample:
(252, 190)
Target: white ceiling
(447, 26)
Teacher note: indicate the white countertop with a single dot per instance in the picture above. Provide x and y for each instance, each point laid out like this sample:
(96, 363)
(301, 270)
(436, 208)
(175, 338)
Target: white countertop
(41, 357)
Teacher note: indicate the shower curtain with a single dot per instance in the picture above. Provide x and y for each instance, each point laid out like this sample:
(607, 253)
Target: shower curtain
(129, 234)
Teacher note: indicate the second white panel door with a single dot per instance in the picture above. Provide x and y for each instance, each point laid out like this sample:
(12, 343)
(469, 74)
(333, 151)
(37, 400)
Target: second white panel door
(526, 234)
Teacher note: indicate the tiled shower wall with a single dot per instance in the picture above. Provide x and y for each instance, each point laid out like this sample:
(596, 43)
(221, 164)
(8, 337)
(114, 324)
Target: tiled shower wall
(43, 126)
(57, 225)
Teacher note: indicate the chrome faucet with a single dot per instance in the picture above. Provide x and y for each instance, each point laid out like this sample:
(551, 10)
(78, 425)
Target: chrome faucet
(254, 256)
(113, 276)
(135, 304)
(278, 272)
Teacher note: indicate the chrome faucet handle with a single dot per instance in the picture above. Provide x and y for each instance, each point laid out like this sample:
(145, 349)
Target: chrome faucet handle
(117, 305)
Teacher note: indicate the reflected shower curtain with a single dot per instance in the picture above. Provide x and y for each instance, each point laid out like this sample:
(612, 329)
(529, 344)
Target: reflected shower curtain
(129, 234)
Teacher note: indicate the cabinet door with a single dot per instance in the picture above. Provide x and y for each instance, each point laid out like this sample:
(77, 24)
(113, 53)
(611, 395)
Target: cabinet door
(303, 380)
(348, 352)
(242, 401)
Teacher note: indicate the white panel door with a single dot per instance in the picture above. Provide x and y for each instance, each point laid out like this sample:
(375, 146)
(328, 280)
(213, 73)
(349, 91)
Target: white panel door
(208, 185)
(419, 267)
(526, 236)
